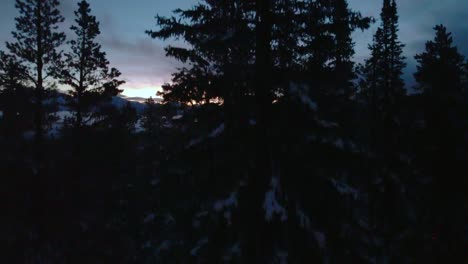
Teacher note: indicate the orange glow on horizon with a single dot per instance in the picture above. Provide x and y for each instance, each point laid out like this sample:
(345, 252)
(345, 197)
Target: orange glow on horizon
(144, 92)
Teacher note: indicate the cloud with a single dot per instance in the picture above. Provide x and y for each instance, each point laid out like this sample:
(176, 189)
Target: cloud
(142, 61)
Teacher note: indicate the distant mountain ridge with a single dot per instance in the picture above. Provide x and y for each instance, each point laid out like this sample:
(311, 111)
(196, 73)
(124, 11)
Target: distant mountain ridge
(118, 101)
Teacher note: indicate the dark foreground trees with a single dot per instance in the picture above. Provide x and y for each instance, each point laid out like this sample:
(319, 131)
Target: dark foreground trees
(266, 149)
(36, 45)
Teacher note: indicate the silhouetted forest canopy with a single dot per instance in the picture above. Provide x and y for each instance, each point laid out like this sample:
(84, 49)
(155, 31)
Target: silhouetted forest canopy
(271, 144)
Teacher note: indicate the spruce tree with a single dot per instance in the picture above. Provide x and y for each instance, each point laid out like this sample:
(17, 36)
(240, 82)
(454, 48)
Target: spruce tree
(383, 70)
(86, 68)
(440, 79)
(441, 66)
(150, 119)
(37, 40)
(15, 97)
(344, 22)
(383, 89)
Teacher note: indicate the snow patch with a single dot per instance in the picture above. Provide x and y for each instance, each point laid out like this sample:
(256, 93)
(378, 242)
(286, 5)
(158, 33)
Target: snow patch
(217, 131)
(300, 90)
(167, 124)
(194, 142)
(139, 126)
(165, 245)
(344, 188)
(231, 201)
(201, 214)
(321, 239)
(339, 143)
(63, 115)
(177, 117)
(149, 218)
(271, 204)
(327, 124)
(304, 220)
(200, 244)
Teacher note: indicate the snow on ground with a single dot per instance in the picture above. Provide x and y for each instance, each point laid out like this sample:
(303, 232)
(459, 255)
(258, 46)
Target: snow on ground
(304, 220)
(271, 204)
(217, 131)
(213, 134)
(344, 188)
(339, 143)
(321, 239)
(177, 117)
(226, 206)
(149, 218)
(231, 201)
(200, 244)
(165, 245)
(194, 142)
(234, 250)
(169, 219)
(62, 115)
(139, 126)
(327, 124)
(300, 90)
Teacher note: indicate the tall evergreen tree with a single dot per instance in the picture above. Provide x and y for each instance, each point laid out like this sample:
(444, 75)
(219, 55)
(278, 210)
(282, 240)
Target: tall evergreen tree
(86, 68)
(382, 88)
(37, 40)
(344, 22)
(440, 78)
(383, 70)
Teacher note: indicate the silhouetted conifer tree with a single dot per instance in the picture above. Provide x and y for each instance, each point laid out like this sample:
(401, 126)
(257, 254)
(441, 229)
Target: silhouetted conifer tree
(382, 88)
(36, 42)
(15, 97)
(383, 70)
(86, 69)
(439, 75)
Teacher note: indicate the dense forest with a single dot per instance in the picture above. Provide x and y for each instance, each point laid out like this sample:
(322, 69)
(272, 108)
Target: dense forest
(271, 144)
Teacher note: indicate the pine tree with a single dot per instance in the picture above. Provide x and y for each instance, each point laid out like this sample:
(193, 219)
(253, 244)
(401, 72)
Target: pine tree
(217, 32)
(441, 66)
(37, 40)
(344, 23)
(15, 97)
(150, 119)
(382, 88)
(86, 69)
(440, 78)
(382, 72)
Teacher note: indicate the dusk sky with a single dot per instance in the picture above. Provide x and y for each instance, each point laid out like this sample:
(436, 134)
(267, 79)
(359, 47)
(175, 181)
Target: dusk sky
(145, 68)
